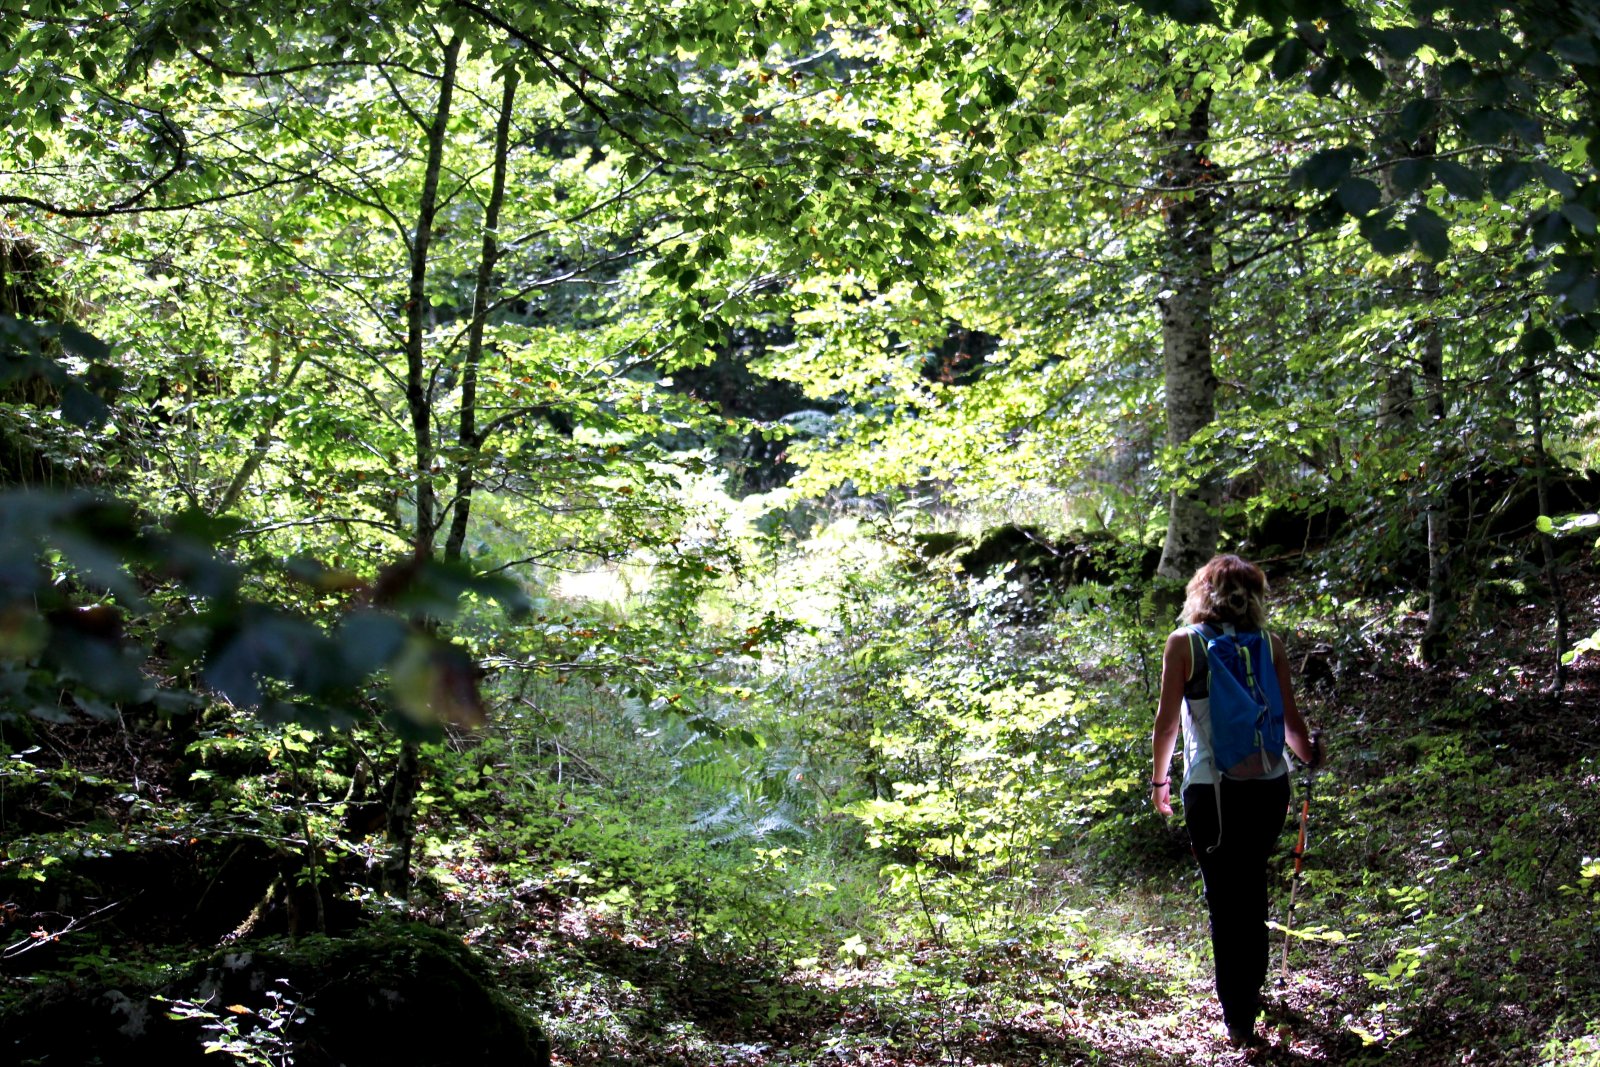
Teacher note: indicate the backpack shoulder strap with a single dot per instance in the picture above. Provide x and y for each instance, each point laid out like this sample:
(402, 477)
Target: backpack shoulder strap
(1198, 683)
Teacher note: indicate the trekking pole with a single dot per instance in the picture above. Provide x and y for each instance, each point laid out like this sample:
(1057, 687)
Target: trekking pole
(1299, 851)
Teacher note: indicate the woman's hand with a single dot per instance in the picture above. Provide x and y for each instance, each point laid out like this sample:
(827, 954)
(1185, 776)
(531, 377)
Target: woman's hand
(1161, 797)
(1317, 756)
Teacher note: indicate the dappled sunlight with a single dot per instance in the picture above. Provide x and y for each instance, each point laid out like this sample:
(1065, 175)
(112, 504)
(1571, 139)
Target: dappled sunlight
(651, 533)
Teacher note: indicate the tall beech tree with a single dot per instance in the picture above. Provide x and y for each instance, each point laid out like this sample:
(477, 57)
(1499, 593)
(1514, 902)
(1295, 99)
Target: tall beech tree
(1189, 281)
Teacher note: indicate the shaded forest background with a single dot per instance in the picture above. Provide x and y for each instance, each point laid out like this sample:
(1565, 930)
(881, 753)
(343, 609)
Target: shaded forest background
(640, 533)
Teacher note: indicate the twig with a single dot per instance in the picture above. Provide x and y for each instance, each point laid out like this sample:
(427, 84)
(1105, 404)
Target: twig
(38, 937)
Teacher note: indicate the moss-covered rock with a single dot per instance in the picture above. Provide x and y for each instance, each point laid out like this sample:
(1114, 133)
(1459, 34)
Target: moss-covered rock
(402, 994)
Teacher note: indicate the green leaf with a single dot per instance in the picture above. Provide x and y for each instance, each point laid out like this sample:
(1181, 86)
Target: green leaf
(369, 640)
(1325, 76)
(1488, 125)
(1579, 332)
(1325, 169)
(1430, 233)
(1578, 49)
(1537, 341)
(1583, 295)
(1416, 116)
(82, 408)
(1545, 524)
(1288, 60)
(1440, 40)
(84, 344)
(1458, 180)
(1525, 128)
(1565, 278)
(1484, 45)
(1369, 81)
(1550, 228)
(1385, 240)
(1399, 42)
(1409, 175)
(1541, 66)
(1258, 48)
(1456, 76)
(1358, 196)
(1506, 178)
(1325, 214)
(1582, 219)
(1557, 180)
(1188, 12)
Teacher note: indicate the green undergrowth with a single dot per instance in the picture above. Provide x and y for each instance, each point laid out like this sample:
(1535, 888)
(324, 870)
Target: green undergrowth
(908, 828)
(1013, 899)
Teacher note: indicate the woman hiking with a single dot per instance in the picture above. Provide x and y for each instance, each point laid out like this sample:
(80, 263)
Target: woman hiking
(1235, 814)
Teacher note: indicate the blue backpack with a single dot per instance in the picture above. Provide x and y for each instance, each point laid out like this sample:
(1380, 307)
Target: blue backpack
(1246, 721)
(1246, 707)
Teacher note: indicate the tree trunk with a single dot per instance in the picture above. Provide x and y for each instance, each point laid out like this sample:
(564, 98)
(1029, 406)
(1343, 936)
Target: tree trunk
(467, 433)
(1442, 606)
(258, 448)
(419, 400)
(1185, 303)
(1397, 402)
(1547, 547)
(402, 826)
(401, 833)
(1398, 405)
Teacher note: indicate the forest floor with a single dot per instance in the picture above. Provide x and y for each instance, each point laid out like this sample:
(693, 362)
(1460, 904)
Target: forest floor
(1047, 1009)
(1154, 1007)
(1441, 892)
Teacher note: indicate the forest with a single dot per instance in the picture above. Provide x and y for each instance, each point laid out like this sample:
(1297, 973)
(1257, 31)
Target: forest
(642, 532)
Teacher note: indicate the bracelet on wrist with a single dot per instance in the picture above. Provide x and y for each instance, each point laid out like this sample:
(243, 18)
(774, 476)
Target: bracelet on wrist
(1158, 785)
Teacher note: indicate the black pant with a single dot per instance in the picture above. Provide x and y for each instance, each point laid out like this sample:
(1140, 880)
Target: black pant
(1235, 873)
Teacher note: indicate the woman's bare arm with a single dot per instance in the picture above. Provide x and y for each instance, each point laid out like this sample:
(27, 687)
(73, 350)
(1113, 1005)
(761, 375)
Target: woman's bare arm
(1175, 668)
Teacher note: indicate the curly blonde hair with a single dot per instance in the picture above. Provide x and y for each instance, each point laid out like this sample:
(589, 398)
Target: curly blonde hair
(1228, 590)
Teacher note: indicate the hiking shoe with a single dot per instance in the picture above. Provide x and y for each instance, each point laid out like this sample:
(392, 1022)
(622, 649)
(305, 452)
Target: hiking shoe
(1245, 1037)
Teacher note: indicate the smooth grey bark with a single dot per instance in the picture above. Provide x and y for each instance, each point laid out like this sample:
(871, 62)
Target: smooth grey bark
(1185, 304)
(400, 833)
(419, 402)
(467, 428)
(1397, 401)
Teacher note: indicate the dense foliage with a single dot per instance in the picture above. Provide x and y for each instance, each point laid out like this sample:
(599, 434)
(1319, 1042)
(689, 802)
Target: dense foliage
(645, 528)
